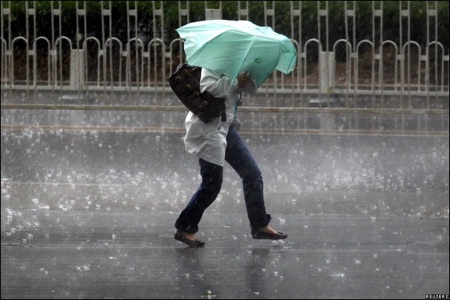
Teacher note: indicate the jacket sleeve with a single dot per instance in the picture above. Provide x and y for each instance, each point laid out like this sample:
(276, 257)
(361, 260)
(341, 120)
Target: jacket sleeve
(215, 83)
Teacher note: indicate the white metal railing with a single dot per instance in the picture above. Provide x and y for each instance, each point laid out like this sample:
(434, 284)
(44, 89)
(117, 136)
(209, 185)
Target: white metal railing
(404, 69)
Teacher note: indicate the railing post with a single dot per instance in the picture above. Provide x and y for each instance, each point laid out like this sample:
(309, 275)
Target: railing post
(243, 12)
(327, 70)
(326, 64)
(213, 13)
(76, 69)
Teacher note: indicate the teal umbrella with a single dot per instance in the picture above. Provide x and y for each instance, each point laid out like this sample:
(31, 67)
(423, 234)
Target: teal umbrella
(231, 47)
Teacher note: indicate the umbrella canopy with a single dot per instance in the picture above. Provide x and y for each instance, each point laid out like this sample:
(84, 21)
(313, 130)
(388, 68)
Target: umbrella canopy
(231, 47)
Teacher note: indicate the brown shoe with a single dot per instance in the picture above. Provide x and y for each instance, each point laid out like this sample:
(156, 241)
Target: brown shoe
(179, 236)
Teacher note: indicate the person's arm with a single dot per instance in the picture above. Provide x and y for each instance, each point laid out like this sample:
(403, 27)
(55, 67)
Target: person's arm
(215, 83)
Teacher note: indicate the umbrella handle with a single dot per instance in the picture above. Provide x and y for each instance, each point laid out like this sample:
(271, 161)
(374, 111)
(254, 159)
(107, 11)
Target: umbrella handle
(238, 103)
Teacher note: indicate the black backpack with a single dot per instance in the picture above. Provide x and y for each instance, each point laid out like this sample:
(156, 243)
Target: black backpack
(185, 82)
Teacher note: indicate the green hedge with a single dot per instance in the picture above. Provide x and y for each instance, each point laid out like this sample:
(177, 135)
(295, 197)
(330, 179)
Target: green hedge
(336, 28)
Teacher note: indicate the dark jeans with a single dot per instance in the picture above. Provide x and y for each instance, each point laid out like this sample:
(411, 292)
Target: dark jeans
(241, 160)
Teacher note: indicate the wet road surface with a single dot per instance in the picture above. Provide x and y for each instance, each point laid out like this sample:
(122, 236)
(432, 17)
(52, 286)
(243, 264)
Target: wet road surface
(88, 213)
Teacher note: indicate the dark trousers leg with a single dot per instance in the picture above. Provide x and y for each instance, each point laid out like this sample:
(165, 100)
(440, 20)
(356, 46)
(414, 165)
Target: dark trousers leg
(242, 161)
(212, 177)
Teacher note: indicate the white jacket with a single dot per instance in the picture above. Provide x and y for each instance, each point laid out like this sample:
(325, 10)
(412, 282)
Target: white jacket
(209, 140)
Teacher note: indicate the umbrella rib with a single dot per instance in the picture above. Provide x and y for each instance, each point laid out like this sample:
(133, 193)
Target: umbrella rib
(245, 57)
(248, 51)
